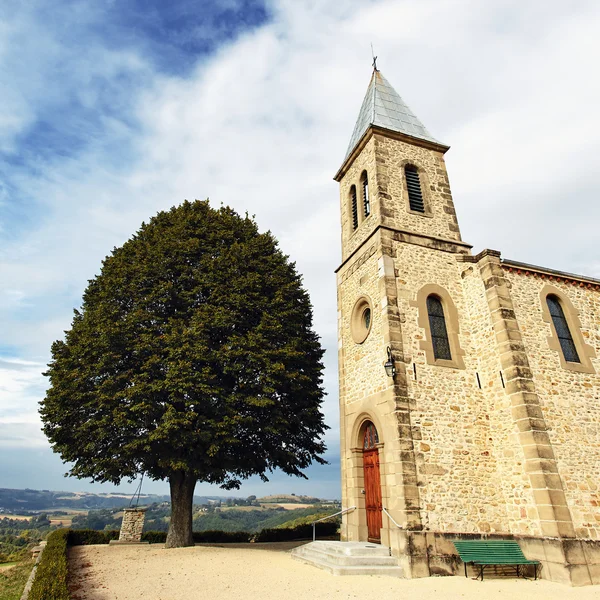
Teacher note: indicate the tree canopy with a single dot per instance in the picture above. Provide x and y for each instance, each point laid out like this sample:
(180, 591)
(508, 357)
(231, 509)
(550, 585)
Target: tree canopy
(192, 358)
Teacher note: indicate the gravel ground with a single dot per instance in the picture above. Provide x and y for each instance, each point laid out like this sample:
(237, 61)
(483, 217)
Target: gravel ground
(267, 572)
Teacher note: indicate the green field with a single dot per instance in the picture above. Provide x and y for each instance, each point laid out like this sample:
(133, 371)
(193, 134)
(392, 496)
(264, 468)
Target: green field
(13, 580)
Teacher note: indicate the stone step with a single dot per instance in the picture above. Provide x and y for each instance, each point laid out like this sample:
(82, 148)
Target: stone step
(351, 570)
(350, 548)
(349, 558)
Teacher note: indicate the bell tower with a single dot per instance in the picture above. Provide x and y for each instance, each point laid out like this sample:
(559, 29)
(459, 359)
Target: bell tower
(398, 227)
(408, 188)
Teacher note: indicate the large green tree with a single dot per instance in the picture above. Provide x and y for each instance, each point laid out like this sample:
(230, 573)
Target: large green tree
(192, 359)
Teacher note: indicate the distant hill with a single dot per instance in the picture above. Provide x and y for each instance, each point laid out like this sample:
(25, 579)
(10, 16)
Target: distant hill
(25, 501)
(288, 499)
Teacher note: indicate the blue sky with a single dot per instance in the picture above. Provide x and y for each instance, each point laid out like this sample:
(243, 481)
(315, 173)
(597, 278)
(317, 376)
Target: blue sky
(113, 110)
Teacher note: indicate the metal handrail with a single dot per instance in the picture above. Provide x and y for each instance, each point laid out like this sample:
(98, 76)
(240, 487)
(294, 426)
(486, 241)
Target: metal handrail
(391, 518)
(341, 512)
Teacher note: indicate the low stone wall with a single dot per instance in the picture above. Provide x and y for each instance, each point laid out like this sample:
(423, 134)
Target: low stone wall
(37, 556)
(572, 561)
(132, 525)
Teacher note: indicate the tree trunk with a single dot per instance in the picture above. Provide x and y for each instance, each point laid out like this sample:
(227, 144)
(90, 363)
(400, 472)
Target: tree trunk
(182, 485)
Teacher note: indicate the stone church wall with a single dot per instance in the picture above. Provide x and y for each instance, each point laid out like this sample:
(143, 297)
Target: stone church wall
(455, 460)
(511, 504)
(362, 374)
(570, 399)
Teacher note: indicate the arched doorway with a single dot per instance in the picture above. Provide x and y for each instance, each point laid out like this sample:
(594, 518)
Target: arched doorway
(373, 503)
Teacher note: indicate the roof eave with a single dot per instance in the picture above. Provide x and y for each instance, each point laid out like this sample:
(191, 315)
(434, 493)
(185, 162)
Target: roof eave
(551, 273)
(376, 129)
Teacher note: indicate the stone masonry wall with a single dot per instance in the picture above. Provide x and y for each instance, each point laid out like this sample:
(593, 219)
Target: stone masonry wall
(511, 491)
(132, 525)
(456, 462)
(351, 238)
(362, 364)
(360, 372)
(570, 400)
(440, 220)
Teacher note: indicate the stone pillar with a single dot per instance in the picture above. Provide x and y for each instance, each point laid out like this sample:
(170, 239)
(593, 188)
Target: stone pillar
(132, 525)
(540, 463)
(392, 336)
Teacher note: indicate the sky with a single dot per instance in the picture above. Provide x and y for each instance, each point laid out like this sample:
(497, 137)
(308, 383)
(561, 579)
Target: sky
(113, 110)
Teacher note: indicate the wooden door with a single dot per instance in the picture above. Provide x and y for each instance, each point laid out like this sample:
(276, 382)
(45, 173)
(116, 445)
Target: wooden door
(373, 502)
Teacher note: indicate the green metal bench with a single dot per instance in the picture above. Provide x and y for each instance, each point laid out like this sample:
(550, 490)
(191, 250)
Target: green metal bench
(486, 553)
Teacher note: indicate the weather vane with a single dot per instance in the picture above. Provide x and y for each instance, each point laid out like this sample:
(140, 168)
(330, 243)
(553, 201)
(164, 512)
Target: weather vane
(374, 58)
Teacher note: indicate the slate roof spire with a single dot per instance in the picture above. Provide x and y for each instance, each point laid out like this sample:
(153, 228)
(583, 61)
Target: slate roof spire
(383, 107)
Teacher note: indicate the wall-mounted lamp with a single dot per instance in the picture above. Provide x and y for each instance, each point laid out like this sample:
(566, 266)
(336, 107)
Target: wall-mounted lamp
(389, 367)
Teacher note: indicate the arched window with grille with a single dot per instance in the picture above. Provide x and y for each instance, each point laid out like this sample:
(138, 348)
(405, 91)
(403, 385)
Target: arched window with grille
(437, 327)
(354, 207)
(561, 327)
(413, 186)
(365, 189)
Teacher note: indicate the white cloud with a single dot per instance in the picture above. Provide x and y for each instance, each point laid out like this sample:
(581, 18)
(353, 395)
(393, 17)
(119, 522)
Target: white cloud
(263, 126)
(21, 387)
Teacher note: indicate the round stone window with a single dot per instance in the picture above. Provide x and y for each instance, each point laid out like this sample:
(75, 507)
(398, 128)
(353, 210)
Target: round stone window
(361, 320)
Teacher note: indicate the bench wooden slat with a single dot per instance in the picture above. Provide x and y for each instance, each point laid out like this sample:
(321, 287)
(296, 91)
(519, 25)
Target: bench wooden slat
(492, 552)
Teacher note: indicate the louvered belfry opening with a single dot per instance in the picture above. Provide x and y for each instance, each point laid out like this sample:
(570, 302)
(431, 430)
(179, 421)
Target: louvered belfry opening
(437, 327)
(365, 187)
(354, 207)
(562, 329)
(413, 185)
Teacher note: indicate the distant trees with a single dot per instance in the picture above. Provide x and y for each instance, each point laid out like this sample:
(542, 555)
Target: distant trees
(41, 520)
(97, 519)
(192, 359)
(16, 535)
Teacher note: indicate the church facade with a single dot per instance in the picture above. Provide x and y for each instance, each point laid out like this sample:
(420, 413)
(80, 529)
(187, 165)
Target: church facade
(469, 384)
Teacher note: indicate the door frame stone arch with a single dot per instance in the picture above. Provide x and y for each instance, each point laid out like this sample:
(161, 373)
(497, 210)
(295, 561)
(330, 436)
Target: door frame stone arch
(356, 521)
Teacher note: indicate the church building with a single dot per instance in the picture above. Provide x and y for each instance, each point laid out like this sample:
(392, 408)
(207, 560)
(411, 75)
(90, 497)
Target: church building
(469, 383)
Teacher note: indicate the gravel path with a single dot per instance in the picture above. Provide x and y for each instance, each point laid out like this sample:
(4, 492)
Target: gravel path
(267, 572)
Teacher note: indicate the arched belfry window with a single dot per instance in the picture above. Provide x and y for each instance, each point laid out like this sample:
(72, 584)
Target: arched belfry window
(354, 205)
(371, 437)
(562, 329)
(413, 186)
(365, 188)
(437, 327)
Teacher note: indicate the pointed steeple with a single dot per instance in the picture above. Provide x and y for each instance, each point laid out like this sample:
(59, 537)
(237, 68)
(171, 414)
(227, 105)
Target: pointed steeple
(383, 107)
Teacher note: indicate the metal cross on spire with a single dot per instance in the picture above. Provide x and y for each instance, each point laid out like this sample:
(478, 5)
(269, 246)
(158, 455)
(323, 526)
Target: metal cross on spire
(374, 58)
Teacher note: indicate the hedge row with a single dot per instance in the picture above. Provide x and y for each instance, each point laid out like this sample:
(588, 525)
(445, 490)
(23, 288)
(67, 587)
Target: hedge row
(83, 537)
(50, 581)
(160, 537)
(86, 537)
(300, 532)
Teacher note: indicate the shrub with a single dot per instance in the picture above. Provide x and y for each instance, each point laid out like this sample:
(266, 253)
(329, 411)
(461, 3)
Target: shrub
(230, 537)
(50, 581)
(300, 532)
(86, 537)
(200, 537)
(154, 537)
(80, 537)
